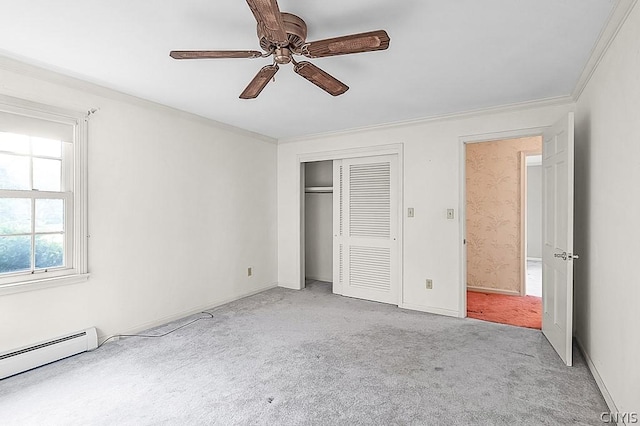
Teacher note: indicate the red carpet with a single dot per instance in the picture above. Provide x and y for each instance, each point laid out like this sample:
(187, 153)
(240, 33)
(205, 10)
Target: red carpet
(522, 311)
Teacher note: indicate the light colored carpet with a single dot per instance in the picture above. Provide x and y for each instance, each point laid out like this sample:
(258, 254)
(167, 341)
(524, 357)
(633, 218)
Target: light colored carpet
(287, 357)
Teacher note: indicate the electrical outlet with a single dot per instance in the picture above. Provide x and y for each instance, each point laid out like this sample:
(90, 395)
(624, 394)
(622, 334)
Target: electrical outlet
(429, 284)
(449, 213)
(410, 212)
(249, 271)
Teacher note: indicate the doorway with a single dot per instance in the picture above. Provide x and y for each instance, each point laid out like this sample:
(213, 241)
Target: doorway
(500, 229)
(533, 225)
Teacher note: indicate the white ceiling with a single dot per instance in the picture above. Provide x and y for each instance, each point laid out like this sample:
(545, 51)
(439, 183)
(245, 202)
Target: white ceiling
(445, 56)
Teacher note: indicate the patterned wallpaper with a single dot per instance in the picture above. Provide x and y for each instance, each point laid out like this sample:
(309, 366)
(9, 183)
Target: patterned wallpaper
(493, 213)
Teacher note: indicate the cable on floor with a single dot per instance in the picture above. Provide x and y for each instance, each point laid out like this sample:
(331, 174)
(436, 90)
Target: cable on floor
(155, 335)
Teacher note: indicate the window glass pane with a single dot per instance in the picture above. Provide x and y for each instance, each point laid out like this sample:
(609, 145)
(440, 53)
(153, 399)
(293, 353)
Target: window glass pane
(15, 254)
(14, 172)
(49, 251)
(14, 143)
(15, 216)
(46, 174)
(46, 147)
(49, 215)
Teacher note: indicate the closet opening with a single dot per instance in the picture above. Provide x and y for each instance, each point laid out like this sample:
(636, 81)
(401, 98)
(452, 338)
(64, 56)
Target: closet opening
(318, 223)
(350, 222)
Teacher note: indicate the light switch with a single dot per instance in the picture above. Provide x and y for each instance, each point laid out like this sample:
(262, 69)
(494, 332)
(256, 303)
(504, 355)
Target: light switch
(410, 212)
(449, 213)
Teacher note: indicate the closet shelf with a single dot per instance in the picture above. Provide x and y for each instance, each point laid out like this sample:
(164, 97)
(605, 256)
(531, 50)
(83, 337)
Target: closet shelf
(318, 189)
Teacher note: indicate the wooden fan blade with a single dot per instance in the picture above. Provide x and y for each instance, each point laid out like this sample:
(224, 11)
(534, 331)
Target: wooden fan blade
(269, 18)
(320, 78)
(214, 54)
(259, 82)
(354, 43)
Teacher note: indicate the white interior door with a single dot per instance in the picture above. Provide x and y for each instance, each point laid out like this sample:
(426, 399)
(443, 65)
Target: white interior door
(557, 230)
(366, 228)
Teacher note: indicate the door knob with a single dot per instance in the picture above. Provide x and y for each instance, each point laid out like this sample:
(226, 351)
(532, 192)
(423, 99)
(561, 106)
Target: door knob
(562, 255)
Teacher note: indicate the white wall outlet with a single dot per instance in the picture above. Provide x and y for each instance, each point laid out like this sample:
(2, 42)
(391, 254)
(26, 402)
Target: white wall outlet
(450, 213)
(410, 212)
(249, 271)
(429, 284)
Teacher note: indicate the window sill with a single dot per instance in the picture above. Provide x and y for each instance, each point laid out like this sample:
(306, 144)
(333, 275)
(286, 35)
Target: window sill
(40, 284)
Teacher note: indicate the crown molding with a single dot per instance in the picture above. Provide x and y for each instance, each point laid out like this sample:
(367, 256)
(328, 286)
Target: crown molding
(23, 67)
(616, 20)
(520, 106)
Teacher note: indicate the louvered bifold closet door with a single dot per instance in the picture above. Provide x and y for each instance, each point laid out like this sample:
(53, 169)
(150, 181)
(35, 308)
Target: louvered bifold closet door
(366, 218)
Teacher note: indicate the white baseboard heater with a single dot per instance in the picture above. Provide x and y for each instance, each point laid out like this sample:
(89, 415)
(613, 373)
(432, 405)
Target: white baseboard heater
(23, 359)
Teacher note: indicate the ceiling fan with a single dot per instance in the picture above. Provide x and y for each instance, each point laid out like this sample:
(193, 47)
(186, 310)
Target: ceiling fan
(283, 35)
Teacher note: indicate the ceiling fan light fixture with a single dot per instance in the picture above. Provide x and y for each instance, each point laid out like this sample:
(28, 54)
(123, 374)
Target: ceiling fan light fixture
(282, 55)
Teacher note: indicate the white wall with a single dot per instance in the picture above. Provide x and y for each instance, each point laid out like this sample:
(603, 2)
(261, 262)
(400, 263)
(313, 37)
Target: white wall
(534, 211)
(607, 293)
(319, 222)
(432, 173)
(178, 209)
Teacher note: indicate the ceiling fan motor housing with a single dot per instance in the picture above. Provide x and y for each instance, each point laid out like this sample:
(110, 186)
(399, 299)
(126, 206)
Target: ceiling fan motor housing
(296, 30)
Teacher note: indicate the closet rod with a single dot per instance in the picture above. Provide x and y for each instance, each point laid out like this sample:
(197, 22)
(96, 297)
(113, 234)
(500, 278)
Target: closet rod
(318, 189)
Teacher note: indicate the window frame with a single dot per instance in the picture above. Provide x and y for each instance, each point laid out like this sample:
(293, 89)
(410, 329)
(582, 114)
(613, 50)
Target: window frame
(73, 191)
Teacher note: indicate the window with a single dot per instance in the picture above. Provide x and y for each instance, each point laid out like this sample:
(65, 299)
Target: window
(42, 196)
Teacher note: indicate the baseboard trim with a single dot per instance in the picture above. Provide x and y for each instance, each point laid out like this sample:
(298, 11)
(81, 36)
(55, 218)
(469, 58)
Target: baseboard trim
(289, 286)
(183, 314)
(493, 290)
(430, 310)
(596, 375)
(324, 280)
